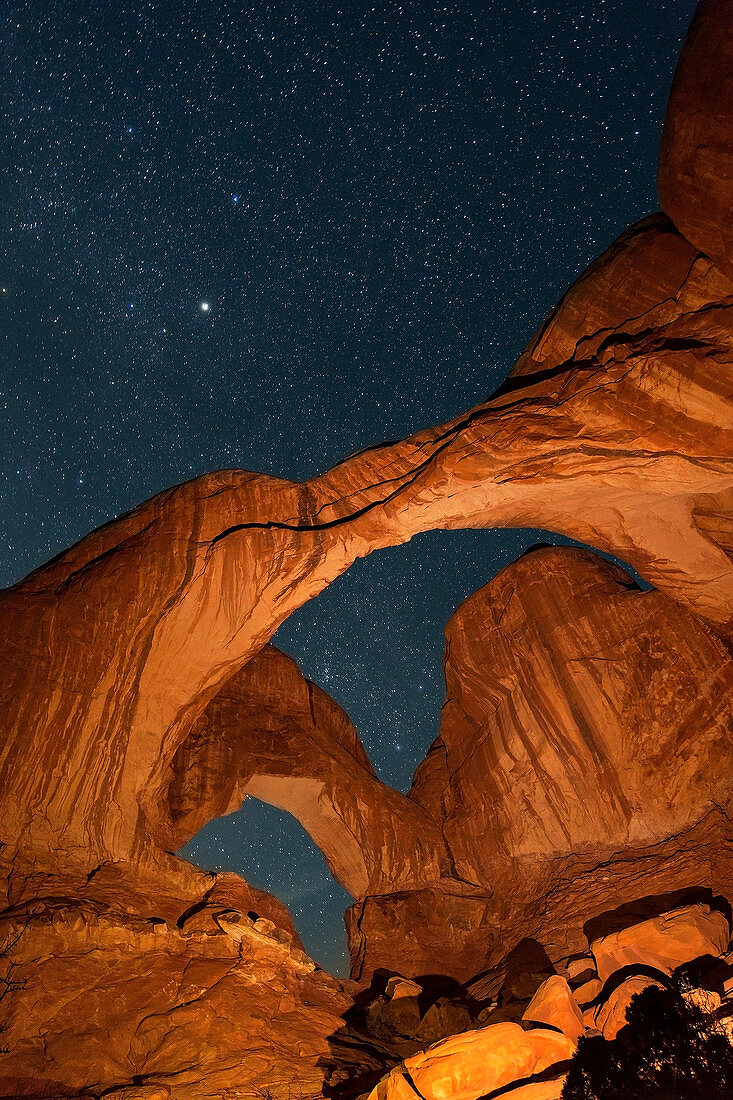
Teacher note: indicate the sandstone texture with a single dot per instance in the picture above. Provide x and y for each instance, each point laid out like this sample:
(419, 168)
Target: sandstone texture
(610, 1017)
(580, 787)
(554, 1004)
(696, 156)
(530, 1061)
(107, 999)
(665, 942)
(271, 733)
(476, 1063)
(594, 719)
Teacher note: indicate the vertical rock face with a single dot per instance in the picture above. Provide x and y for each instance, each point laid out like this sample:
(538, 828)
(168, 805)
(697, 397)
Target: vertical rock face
(585, 713)
(586, 723)
(696, 156)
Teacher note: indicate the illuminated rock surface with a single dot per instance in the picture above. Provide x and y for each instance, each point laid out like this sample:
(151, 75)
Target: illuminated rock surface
(475, 1063)
(583, 762)
(554, 1004)
(665, 942)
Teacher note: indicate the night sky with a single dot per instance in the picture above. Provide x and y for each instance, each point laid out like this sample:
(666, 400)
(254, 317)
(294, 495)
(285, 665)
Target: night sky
(267, 235)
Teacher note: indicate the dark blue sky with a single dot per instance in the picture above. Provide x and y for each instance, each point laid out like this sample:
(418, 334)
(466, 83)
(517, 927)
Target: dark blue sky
(378, 203)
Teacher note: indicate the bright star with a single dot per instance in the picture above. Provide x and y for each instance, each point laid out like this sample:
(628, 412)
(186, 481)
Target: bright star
(204, 306)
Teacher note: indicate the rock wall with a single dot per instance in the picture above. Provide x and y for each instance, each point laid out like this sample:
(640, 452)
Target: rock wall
(581, 712)
(696, 155)
(628, 445)
(584, 750)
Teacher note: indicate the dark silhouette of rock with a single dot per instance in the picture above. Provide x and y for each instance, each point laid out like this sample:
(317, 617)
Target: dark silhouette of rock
(696, 156)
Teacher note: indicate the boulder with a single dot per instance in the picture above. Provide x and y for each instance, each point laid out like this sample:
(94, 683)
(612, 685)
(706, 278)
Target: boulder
(554, 1004)
(610, 1016)
(537, 1090)
(576, 969)
(664, 942)
(442, 1019)
(391, 1014)
(398, 988)
(587, 992)
(475, 1063)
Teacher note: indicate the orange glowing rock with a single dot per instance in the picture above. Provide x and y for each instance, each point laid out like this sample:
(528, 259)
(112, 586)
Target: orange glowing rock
(474, 1063)
(554, 1004)
(664, 942)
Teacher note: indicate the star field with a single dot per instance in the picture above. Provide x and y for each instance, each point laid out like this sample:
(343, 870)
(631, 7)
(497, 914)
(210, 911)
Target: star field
(265, 235)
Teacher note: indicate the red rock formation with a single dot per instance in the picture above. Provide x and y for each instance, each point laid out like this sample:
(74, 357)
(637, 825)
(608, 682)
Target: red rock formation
(198, 1006)
(499, 1056)
(554, 1004)
(665, 942)
(696, 156)
(628, 445)
(476, 1063)
(586, 723)
(272, 734)
(610, 1016)
(597, 715)
(583, 757)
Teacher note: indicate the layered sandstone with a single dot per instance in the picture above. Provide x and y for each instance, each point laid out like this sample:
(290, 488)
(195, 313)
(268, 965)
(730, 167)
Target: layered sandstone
(627, 445)
(272, 734)
(587, 723)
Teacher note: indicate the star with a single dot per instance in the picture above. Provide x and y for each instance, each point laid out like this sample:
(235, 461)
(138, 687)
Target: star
(204, 306)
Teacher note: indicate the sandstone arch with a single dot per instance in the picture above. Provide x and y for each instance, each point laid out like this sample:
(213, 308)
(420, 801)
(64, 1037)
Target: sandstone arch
(615, 428)
(114, 649)
(271, 733)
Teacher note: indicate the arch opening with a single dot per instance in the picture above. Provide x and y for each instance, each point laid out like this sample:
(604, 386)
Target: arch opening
(294, 870)
(381, 659)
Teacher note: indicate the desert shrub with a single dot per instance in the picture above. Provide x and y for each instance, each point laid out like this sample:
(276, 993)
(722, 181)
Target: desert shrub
(669, 1050)
(9, 982)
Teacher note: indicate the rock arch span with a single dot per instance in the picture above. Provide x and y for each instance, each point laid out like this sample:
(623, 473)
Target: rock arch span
(615, 429)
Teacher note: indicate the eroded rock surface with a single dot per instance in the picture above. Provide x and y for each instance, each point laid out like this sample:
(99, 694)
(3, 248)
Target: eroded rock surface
(627, 445)
(271, 733)
(664, 942)
(587, 723)
(696, 156)
(499, 1057)
(476, 1063)
(554, 1004)
(107, 997)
